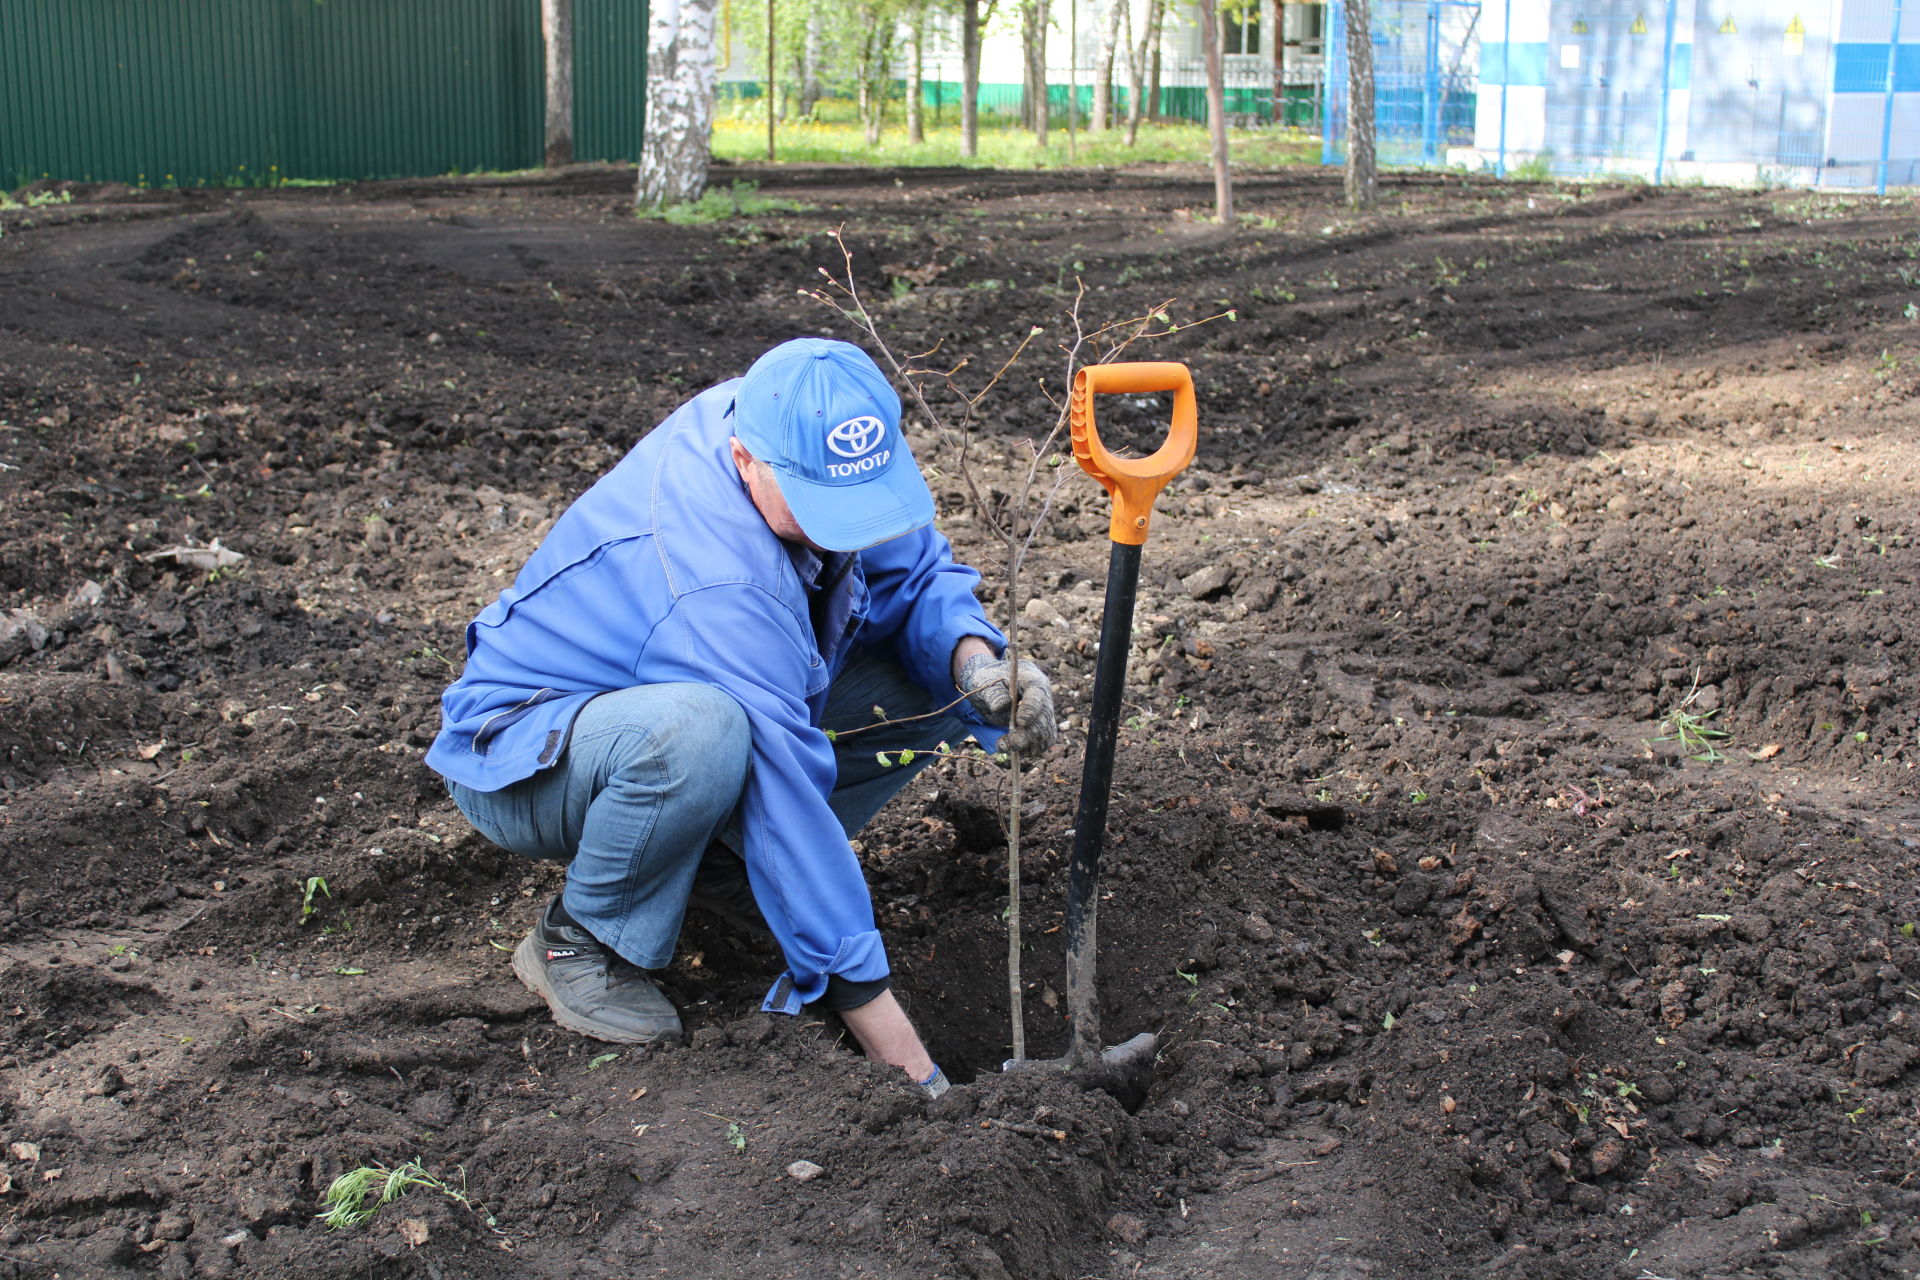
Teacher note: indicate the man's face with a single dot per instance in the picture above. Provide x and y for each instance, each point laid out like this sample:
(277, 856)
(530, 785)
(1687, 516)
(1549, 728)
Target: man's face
(767, 499)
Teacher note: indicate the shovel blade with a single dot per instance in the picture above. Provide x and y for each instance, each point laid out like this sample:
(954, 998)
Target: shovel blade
(1125, 1070)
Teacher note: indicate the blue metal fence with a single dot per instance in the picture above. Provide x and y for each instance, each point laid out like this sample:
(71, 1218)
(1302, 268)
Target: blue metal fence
(1426, 66)
(1820, 93)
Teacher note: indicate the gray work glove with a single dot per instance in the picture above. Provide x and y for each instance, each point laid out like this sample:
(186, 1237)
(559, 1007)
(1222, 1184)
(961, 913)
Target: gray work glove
(983, 678)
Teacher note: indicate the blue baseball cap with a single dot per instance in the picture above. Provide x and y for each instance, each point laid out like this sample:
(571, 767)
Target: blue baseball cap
(824, 418)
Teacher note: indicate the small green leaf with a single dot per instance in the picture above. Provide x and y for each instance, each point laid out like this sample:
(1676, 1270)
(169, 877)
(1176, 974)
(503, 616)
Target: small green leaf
(1387, 1022)
(600, 1060)
(1706, 915)
(350, 973)
(881, 756)
(906, 757)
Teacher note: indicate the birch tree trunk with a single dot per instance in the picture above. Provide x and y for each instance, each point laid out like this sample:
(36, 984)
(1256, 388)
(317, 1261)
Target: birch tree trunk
(809, 71)
(1136, 76)
(679, 121)
(1217, 111)
(1363, 188)
(556, 21)
(1103, 68)
(916, 72)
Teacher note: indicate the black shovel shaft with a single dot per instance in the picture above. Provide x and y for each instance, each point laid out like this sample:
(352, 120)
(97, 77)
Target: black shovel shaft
(1096, 785)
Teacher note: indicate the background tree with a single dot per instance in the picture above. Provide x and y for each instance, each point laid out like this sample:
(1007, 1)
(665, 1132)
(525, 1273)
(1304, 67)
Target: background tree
(1217, 110)
(874, 36)
(1033, 40)
(916, 71)
(1142, 54)
(973, 24)
(1109, 29)
(1279, 61)
(679, 120)
(1362, 173)
(556, 22)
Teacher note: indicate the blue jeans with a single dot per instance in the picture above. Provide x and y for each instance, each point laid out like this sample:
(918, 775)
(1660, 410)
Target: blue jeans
(652, 775)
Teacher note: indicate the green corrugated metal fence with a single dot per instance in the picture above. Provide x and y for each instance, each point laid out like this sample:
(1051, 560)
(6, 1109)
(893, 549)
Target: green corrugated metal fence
(165, 92)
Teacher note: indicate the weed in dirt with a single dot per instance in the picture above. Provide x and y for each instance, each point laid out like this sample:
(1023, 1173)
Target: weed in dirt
(1698, 740)
(313, 886)
(358, 1194)
(740, 200)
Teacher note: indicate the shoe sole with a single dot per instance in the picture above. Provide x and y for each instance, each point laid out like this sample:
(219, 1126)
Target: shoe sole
(532, 973)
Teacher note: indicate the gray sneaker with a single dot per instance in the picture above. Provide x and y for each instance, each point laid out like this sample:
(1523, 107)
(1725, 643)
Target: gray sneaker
(590, 987)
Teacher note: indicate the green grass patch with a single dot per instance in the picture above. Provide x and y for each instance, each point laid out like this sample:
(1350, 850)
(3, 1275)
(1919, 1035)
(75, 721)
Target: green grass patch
(739, 200)
(740, 134)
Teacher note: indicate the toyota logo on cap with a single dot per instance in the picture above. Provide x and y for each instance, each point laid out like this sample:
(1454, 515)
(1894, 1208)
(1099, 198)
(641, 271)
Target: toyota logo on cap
(856, 436)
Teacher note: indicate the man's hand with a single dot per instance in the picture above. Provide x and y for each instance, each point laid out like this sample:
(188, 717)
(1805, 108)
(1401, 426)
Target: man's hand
(987, 680)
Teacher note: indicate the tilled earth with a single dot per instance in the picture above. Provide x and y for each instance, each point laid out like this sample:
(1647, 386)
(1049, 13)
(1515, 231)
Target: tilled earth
(1512, 504)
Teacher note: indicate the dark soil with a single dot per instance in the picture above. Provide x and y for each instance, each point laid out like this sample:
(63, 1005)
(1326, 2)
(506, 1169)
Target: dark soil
(1461, 966)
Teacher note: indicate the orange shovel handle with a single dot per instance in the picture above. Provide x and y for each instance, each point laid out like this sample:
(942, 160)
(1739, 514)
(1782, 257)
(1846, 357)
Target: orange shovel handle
(1133, 482)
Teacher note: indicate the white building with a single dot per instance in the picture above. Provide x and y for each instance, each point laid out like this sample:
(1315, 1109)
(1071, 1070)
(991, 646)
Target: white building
(1804, 92)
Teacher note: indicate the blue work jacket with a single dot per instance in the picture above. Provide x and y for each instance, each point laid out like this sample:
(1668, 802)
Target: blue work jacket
(664, 571)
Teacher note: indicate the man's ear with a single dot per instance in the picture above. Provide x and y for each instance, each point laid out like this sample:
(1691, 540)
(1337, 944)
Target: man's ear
(742, 459)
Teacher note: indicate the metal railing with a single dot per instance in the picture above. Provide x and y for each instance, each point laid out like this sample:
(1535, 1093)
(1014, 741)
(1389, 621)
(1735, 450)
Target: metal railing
(1776, 93)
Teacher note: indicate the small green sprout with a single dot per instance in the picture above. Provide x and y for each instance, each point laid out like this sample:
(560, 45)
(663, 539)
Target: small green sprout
(600, 1060)
(1697, 738)
(736, 1136)
(313, 885)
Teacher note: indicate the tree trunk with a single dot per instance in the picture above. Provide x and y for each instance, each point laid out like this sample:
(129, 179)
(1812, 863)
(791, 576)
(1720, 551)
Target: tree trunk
(970, 22)
(810, 65)
(1363, 190)
(1136, 75)
(1217, 110)
(1156, 20)
(679, 121)
(556, 20)
(773, 61)
(1033, 30)
(916, 74)
(1103, 68)
(1279, 61)
(875, 72)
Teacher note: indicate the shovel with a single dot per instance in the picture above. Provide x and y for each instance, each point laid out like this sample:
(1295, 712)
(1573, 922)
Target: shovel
(1126, 1070)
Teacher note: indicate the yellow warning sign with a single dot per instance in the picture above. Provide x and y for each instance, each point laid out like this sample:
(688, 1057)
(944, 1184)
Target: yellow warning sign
(1727, 28)
(1579, 26)
(1796, 37)
(1639, 27)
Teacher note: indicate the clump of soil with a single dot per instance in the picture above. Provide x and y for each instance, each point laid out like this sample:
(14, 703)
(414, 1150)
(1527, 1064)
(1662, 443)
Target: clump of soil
(1514, 829)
